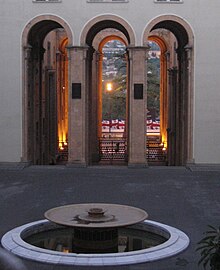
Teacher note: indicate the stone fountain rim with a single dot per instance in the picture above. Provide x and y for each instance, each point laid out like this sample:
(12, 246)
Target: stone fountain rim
(118, 215)
(177, 242)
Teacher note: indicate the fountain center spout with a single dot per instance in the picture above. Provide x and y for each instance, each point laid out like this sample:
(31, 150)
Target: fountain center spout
(96, 212)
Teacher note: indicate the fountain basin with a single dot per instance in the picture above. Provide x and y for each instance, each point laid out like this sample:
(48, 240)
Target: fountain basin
(175, 242)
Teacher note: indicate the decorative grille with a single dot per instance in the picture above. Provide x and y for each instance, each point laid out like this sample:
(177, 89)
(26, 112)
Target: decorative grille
(155, 153)
(113, 149)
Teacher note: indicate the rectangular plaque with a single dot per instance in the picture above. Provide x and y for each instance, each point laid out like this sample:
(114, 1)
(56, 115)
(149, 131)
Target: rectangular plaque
(138, 91)
(76, 90)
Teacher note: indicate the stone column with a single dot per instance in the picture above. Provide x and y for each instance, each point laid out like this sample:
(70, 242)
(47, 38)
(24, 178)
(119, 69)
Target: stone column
(137, 106)
(99, 68)
(78, 107)
(182, 108)
(26, 153)
(190, 98)
(94, 106)
(95, 103)
(163, 98)
(38, 104)
(171, 130)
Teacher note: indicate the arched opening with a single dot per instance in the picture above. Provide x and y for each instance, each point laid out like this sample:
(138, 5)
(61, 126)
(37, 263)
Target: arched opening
(176, 86)
(156, 101)
(62, 101)
(45, 94)
(96, 36)
(113, 140)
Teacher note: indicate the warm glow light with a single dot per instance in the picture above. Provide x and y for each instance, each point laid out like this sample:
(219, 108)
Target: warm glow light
(65, 250)
(62, 143)
(109, 87)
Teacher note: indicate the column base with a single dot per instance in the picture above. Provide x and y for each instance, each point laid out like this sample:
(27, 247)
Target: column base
(14, 165)
(138, 165)
(76, 165)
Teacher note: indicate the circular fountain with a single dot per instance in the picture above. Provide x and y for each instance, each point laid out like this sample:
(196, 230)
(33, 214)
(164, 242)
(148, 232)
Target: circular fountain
(96, 225)
(95, 234)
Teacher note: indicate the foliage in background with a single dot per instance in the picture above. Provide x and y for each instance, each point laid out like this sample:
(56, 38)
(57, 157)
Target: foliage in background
(153, 87)
(114, 103)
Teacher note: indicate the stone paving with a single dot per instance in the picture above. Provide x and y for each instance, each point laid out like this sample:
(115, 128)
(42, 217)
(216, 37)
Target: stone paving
(186, 199)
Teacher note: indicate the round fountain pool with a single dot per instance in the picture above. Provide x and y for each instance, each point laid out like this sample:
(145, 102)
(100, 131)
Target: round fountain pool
(48, 242)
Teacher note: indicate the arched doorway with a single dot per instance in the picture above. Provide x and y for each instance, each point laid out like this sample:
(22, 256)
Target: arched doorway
(178, 102)
(95, 34)
(113, 89)
(157, 101)
(45, 90)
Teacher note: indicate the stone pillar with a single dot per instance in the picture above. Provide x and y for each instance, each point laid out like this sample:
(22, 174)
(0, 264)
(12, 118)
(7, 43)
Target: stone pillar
(26, 151)
(78, 107)
(171, 130)
(190, 98)
(94, 106)
(38, 121)
(163, 98)
(137, 106)
(182, 108)
(95, 103)
(99, 96)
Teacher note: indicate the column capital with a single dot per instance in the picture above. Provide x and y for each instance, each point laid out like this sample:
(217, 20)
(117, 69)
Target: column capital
(84, 47)
(138, 49)
(167, 55)
(27, 47)
(188, 50)
(77, 49)
(27, 50)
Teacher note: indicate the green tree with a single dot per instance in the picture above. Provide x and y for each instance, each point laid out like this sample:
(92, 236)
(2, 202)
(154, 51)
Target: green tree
(153, 87)
(114, 102)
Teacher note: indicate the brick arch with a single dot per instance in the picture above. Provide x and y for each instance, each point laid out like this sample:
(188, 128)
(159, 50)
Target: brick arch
(46, 17)
(169, 18)
(99, 23)
(35, 31)
(160, 41)
(181, 77)
(111, 37)
(163, 85)
(103, 35)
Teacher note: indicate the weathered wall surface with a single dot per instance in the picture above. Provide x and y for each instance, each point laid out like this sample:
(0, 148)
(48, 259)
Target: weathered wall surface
(201, 16)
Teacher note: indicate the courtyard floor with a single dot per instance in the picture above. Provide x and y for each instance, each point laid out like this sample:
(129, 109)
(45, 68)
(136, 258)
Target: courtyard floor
(188, 199)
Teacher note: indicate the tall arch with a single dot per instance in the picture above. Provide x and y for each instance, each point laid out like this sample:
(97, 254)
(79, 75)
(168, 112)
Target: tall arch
(39, 88)
(102, 42)
(174, 23)
(180, 88)
(46, 17)
(163, 85)
(92, 37)
(99, 23)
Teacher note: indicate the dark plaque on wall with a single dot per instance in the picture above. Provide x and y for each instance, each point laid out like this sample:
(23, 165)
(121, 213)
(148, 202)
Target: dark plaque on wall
(138, 91)
(76, 90)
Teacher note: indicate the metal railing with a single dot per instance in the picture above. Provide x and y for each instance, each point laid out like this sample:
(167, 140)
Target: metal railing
(155, 152)
(113, 149)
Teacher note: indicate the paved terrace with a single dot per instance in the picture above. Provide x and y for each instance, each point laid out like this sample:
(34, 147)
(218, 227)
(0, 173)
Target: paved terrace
(177, 196)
